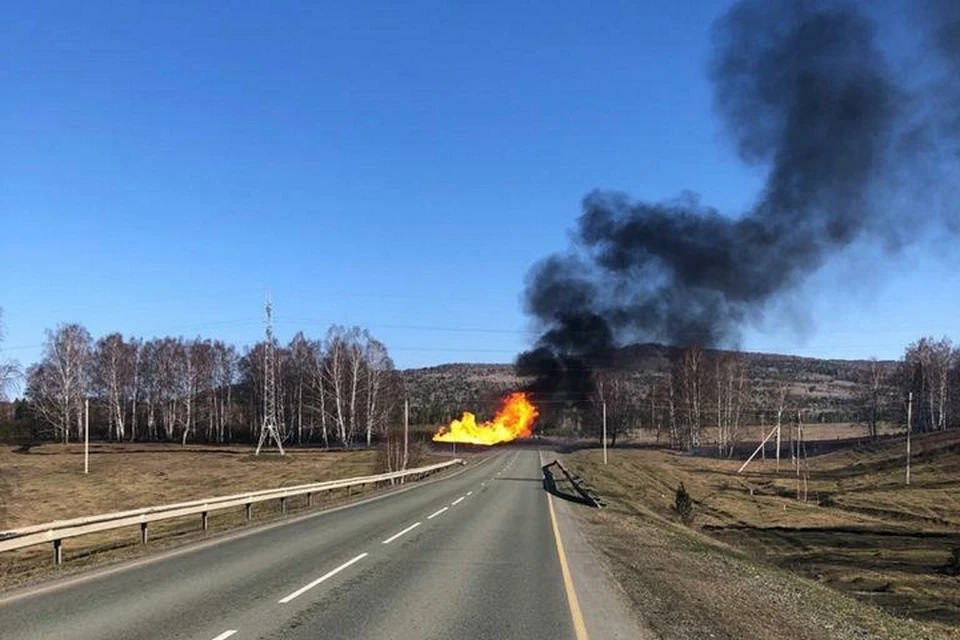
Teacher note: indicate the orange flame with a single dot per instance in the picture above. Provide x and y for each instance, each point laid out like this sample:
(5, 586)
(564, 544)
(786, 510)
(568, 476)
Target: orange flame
(514, 420)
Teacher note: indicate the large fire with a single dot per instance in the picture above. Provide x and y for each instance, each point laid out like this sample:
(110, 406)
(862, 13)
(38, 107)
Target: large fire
(514, 420)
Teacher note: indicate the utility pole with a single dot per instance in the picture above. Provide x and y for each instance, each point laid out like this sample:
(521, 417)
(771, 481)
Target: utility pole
(763, 430)
(269, 427)
(406, 431)
(760, 447)
(799, 439)
(86, 436)
(605, 432)
(779, 422)
(909, 429)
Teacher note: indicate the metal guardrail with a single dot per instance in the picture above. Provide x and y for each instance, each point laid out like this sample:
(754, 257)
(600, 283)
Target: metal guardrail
(59, 530)
(586, 492)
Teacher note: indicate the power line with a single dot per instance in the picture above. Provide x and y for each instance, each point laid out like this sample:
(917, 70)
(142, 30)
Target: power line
(413, 327)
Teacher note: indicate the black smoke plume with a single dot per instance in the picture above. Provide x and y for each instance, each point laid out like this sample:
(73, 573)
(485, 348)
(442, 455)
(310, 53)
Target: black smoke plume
(944, 25)
(802, 88)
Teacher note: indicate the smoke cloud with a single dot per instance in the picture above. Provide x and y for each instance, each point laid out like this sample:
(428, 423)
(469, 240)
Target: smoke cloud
(944, 21)
(804, 89)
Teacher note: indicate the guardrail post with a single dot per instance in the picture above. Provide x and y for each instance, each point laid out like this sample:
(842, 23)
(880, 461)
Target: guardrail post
(57, 552)
(349, 491)
(143, 533)
(283, 504)
(309, 499)
(203, 520)
(249, 510)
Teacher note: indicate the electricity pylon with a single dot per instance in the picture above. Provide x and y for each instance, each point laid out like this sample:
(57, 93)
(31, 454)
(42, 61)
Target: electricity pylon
(269, 428)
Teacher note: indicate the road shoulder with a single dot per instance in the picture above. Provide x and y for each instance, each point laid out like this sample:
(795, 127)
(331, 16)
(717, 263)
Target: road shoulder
(606, 608)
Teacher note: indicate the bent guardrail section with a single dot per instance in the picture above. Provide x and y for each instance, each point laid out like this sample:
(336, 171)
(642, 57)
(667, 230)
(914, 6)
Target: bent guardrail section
(588, 495)
(59, 530)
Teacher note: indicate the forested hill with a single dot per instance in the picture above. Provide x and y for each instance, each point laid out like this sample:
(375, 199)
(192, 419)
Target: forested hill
(442, 392)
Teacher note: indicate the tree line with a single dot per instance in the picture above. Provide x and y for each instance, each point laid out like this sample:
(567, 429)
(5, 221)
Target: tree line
(341, 390)
(712, 396)
(702, 393)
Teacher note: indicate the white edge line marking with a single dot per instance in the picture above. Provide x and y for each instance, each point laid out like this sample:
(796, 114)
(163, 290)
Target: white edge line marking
(469, 493)
(397, 535)
(225, 634)
(436, 513)
(457, 501)
(325, 576)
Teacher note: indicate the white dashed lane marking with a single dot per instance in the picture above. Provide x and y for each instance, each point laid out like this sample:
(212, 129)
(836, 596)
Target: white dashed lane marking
(325, 576)
(397, 535)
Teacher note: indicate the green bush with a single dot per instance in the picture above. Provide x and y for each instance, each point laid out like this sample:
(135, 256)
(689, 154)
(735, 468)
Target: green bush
(683, 505)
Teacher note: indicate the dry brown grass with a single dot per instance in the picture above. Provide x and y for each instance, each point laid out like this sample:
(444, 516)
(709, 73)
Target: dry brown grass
(47, 483)
(756, 433)
(860, 530)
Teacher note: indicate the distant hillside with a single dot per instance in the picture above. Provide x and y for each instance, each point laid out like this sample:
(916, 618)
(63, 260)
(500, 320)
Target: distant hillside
(812, 383)
(439, 394)
(833, 387)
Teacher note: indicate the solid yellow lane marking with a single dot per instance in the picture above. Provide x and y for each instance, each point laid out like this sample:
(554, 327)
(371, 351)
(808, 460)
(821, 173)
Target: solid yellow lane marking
(579, 627)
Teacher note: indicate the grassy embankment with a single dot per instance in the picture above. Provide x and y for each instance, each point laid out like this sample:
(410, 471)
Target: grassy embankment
(886, 548)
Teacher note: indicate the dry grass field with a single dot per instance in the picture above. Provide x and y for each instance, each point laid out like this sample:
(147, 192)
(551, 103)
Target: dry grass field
(755, 433)
(860, 530)
(47, 483)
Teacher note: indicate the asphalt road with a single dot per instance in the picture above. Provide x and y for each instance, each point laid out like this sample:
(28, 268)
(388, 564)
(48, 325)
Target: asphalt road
(472, 556)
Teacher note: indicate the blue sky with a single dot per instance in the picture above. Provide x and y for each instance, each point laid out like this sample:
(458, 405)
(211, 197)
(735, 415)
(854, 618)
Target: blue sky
(394, 165)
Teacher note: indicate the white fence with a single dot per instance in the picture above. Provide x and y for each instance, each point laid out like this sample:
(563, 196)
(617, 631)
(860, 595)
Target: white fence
(57, 531)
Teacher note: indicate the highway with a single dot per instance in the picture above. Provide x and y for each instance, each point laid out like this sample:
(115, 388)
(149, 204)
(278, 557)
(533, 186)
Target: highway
(470, 556)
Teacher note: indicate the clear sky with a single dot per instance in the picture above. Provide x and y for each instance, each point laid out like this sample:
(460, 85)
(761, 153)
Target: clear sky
(397, 165)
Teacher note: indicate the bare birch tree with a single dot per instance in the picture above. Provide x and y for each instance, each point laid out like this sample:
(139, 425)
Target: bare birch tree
(355, 368)
(196, 383)
(382, 384)
(9, 369)
(58, 384)
(114, 369)
(614, 389)
(297, 372)
(336, 364)
(731, 397)
(318, 393)
(926, 370)
(689, 377)
(224, 378)
(874, 379)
